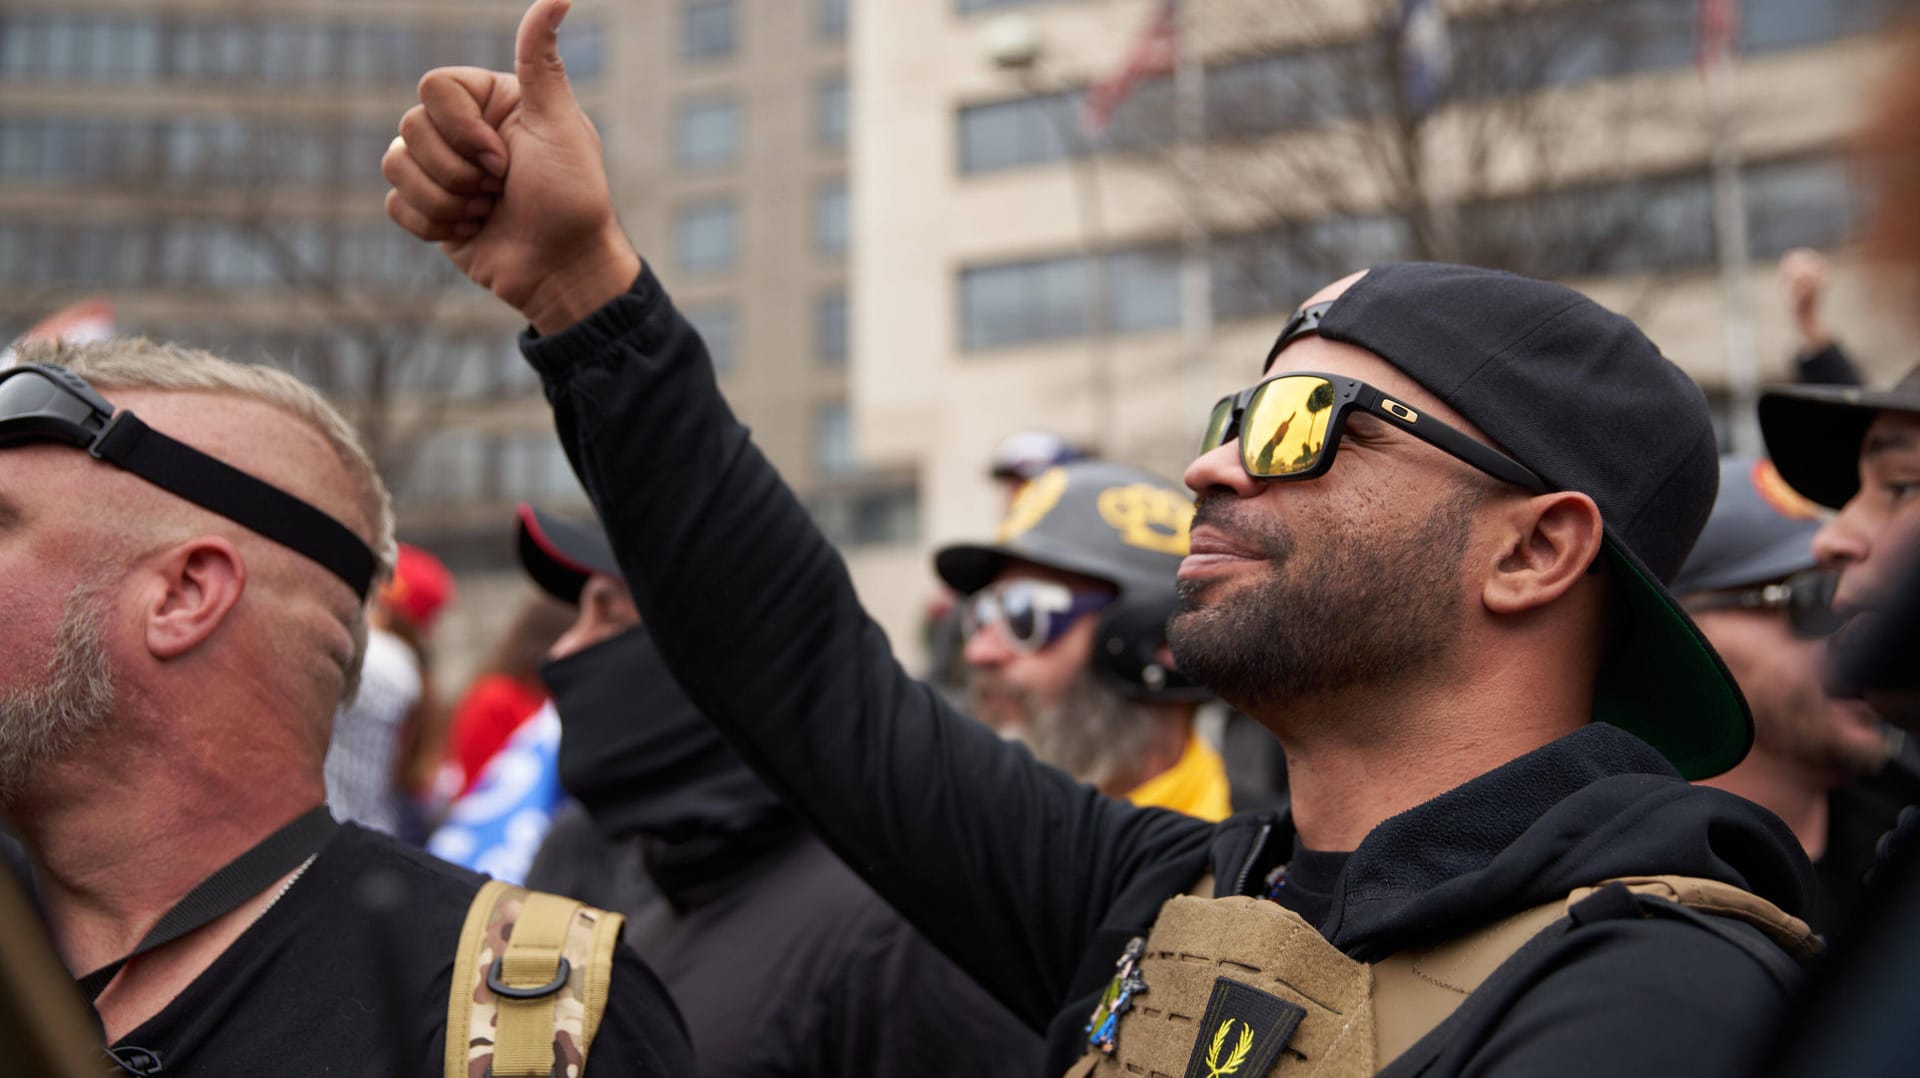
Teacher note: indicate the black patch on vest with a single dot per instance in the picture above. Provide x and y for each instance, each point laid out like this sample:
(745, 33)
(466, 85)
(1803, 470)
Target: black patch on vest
(1242, 1033)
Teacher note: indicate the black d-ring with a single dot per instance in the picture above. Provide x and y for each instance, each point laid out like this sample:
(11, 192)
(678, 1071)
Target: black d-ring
(500, 987)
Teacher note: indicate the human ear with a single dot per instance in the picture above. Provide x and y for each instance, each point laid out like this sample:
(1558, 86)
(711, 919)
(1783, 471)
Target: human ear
(198, 582)
(1550, 540)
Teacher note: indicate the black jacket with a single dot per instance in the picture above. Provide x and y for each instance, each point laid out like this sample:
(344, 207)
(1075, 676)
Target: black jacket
(783, 963)
(1034, 884)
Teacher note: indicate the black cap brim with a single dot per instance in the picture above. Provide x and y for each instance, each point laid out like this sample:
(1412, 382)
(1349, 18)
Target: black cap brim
(1665, 684)
(560, 555)
(1813, 434)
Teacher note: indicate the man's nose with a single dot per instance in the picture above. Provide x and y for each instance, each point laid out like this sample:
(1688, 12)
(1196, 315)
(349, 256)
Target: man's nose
(986, 647)
(1219, 469)
(1844, 540)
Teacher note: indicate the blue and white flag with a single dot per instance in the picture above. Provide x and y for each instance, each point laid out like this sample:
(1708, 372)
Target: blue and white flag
(1426, 56)
(499, 825)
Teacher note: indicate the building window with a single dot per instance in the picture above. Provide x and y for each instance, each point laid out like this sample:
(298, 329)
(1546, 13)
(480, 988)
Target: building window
(1026, 301)
(968, 7)
(890, 515)
(830, 329)
(583, 49)
(449, 466)
(1806, 203)
(707, 29)
(833, 440)
(1030, 130)
(830, 219)
(830, 19)
(708, 235)
(534, 468)
(830, 112)
(709, 132)
(1143, 290)
(717, 326)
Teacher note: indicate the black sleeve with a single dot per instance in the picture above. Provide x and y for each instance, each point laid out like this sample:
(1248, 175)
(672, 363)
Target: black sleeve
(641, 1034)
(1006, 865)
(1827, 367)
(1632, 997)
(899, 1009)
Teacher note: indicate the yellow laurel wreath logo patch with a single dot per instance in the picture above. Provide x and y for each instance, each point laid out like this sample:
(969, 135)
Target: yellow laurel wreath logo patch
(1033, 503)
(1216, 1069)
(1149, 517)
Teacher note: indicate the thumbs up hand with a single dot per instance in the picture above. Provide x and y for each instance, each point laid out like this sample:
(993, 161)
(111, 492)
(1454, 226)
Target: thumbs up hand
(505, 173)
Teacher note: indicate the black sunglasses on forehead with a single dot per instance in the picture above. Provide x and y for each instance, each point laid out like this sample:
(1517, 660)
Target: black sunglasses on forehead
(1289, 425)
(52, 404)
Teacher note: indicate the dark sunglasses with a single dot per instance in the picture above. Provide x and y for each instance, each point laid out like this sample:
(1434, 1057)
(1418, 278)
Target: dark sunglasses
(1289, 426)
(1806, 597)
(52, 404)
(1028, 614)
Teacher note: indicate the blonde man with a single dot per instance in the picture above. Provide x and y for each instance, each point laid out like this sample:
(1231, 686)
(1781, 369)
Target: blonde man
(187, 545)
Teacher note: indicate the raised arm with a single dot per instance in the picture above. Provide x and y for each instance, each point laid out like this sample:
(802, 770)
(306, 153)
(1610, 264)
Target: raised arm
(1006, 865)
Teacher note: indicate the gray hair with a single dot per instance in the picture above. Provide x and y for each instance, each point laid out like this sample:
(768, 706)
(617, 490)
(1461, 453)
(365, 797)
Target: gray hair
(138, 363)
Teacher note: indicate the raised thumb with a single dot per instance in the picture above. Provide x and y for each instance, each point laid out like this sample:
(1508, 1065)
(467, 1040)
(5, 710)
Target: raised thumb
(536, 57)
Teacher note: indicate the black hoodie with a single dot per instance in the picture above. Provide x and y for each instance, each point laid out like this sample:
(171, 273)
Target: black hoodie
(781, 961)
(1035, 884)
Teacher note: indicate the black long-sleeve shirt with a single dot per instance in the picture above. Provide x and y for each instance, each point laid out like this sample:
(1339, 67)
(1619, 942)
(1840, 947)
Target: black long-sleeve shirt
(1034, 884)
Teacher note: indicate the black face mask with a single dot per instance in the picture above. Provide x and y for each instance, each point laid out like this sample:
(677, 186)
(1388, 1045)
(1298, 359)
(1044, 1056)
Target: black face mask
(637, 754)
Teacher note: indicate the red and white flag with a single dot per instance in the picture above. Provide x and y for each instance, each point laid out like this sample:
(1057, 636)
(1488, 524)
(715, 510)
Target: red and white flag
(83, 322)
(1719, 30)
(1155, 51)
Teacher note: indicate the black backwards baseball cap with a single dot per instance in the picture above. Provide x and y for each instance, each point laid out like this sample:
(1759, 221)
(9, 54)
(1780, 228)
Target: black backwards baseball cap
(560, 554)
(1579, 395)
(1814, 433)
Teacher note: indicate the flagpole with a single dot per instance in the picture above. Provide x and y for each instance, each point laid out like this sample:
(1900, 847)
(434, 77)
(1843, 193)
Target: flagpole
(1196, 271)
(1732, 250)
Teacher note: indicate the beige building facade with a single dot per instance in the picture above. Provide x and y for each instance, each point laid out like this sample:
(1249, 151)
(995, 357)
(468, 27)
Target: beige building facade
(211, 167)
(974, 226)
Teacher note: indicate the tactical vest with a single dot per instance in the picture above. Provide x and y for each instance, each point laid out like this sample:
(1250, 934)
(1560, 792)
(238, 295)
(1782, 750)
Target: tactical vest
(1244, 987)
(530, 984)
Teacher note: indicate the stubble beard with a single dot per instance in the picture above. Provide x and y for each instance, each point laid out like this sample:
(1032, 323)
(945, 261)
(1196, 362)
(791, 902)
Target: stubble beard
(43, 723)
(1359, 609)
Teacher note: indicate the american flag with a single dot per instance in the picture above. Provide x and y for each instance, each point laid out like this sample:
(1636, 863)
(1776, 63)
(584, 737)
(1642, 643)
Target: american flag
(1719, 28)
(1155, 51)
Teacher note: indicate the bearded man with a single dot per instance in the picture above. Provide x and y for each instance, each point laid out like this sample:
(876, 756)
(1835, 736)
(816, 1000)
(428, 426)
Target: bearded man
(1065, 618)
(1494, 768)
(188, 545)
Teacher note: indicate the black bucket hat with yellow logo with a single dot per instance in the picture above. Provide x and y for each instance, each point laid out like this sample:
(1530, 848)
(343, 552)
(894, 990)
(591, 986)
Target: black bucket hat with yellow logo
(1579, 395)
(1112, 522)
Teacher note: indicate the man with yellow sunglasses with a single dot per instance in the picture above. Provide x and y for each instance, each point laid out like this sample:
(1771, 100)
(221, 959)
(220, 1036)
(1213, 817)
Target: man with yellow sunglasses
(1441, 588)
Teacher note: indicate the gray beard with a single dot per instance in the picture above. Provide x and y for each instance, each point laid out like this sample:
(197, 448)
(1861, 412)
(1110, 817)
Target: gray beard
(1093, 733)
(1360, 609)
(42, 723)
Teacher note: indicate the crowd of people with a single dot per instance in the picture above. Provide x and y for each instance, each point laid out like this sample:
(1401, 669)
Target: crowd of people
(1462, 711)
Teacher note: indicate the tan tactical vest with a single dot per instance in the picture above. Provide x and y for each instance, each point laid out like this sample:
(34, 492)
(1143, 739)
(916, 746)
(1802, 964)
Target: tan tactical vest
(530, 984)
(1244, 987)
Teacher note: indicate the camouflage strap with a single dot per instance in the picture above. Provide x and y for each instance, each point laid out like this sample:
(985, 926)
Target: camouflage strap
(530, 984)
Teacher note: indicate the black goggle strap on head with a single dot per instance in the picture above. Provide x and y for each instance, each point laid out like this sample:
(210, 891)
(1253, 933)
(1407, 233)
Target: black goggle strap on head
(219, 487)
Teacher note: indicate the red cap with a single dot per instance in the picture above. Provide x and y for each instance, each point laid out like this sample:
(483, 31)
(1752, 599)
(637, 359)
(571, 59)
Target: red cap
(421, 587)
